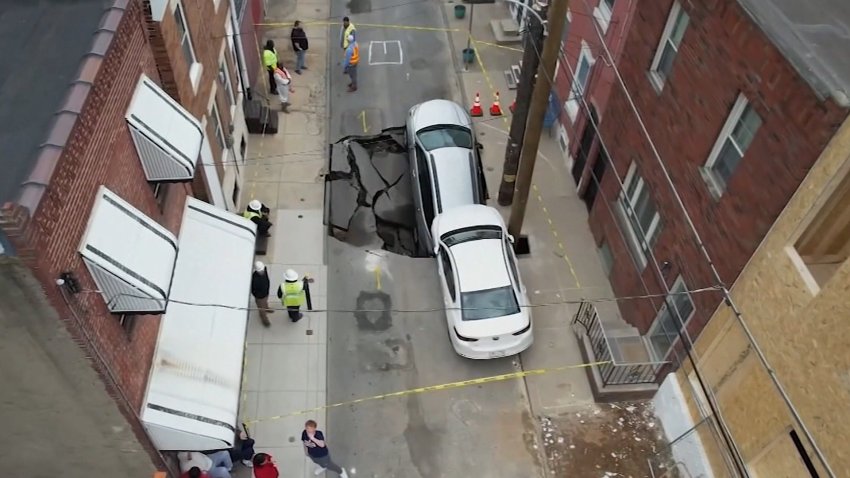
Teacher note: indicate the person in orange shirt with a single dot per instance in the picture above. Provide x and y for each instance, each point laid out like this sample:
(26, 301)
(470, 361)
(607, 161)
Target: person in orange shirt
(264, 466)
(352, 58)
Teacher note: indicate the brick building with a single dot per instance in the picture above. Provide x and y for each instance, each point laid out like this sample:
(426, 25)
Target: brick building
(581, 74)
(111, 124)
(739, 106)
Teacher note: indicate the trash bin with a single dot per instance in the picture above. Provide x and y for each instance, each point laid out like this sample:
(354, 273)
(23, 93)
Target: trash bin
(468, 55)
(460, 11)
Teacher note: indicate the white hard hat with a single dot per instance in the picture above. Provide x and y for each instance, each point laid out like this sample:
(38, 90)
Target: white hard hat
(255, 204)
(290, 275)
(350, 38)
(259, 266)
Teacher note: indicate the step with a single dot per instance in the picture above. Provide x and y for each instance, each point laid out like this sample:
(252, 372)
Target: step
(612, 393)
(502, 36)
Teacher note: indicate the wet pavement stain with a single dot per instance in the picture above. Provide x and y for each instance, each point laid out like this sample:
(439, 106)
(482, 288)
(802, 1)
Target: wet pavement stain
(370, 200)
(373, 311)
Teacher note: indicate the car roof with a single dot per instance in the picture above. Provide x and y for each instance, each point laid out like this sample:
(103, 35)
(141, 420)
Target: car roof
(435, 112)
(468, 216)
(480, 264)
(454, 173)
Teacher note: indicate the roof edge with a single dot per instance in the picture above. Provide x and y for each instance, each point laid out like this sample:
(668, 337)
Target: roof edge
(65, 119)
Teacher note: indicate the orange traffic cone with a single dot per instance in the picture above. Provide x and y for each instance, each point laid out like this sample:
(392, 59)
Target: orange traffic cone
(512, 107)
(496, 108)
(476, 110)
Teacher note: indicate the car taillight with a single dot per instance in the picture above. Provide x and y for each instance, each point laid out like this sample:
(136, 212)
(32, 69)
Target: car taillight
(526, 329)
(465, 339)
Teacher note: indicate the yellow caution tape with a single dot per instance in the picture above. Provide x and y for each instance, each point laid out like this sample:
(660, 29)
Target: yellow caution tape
(431, 388)
(364, 25)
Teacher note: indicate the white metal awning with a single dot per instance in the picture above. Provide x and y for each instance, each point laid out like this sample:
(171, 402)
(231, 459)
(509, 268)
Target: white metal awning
(167, 137)
(193, 392)
(130, 257)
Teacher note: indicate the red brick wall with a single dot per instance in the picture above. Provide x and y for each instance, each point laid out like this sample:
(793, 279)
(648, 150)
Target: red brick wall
(723, 53)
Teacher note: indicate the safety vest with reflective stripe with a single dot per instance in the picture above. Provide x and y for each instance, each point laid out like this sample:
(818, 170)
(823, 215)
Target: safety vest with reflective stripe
(269, 59)
(346, 32)
(250, 215)
(355, 55)
(293, 294)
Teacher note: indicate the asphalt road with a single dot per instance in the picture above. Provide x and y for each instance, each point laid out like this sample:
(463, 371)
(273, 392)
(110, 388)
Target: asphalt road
(483, 431)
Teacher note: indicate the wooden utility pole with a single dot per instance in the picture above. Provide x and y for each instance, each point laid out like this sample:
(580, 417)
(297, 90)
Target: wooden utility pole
(539, 103)
(534, 38)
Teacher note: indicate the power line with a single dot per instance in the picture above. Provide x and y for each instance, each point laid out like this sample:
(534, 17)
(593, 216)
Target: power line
(412, 311)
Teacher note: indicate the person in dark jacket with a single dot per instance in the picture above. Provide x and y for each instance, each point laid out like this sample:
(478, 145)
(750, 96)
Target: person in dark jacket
(300, 45)
(260, 286)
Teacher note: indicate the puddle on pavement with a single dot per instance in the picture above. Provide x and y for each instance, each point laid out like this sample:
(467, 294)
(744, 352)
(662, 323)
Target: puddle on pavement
(370, 198)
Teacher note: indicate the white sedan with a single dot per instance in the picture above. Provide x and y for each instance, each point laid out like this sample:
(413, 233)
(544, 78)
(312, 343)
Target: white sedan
(486, 304)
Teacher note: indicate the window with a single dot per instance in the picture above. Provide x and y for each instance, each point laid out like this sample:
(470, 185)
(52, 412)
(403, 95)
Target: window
(445, 136)
(606, 257)
(186, 45)
(642, 223)
(425, 188)
(235, 196)
(824, 244)
(160, 193)
(735, 138)
(215, 119)
(488, 303)
(128, 323)
(582, 74)
(603, 12)
(511, 258)
(668, 47)
(475, 233)
(448, 272)
(665, 329)
(224, 79)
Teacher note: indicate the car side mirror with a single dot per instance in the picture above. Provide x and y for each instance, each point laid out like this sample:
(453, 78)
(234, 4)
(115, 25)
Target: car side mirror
(436, 250)
(511, 238)
(479, 146)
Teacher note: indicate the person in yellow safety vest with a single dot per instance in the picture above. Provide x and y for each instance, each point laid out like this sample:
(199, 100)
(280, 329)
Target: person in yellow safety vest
(352, 58)
(346, 31)
(292, 295)
(270, 63)
(258, 213)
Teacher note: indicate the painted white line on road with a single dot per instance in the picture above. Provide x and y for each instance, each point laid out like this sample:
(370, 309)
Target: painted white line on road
(388, 56)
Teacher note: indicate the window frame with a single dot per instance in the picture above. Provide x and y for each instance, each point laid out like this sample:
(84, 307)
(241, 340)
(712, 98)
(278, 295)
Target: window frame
(603, 14)
(658, 77)
(448, 272)
(195, 66)
(224, 80)
(651, 234)
(218, 128)
(679, 287)
(429, 206)
(571, 105)
(717, 185)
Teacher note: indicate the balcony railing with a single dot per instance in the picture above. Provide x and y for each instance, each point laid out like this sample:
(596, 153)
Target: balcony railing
(617, 369)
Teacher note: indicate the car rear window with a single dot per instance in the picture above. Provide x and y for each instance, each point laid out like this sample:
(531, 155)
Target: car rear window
(488, 303)
(467, 234)
(445, 136)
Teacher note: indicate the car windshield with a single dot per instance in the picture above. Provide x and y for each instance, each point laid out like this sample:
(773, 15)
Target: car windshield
(445, 136)
(489, 303)
(467, 234)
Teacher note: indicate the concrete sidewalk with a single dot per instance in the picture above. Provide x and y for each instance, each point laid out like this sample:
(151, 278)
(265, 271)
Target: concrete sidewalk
(287, 363)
